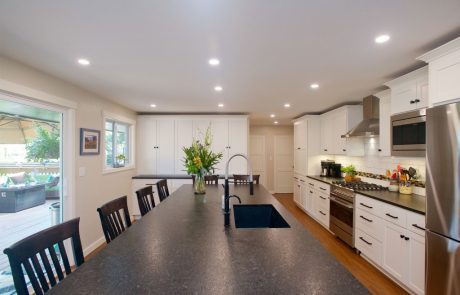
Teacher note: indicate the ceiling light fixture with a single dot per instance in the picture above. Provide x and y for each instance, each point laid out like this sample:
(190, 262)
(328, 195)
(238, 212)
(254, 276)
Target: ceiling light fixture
(314, 86)
(382, 39)
(220, 105)
(84, 62)
(286, 105)
(276, 122)
(218, 88)
(272, 116)
(153, 105)
(214, 62)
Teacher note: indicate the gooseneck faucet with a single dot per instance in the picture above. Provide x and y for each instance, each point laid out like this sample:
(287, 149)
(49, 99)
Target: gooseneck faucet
(227, 188)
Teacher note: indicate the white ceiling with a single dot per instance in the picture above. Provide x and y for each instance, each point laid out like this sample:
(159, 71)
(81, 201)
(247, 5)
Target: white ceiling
(146, 51)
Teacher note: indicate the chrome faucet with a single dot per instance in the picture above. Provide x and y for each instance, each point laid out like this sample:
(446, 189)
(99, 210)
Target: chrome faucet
(227, 188)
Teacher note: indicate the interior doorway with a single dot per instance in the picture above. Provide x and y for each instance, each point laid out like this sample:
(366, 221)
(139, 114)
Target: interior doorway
(257, 155)
(284, 163)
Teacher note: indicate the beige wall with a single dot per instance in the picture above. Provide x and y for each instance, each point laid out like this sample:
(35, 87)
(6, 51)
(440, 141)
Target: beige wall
(269, 132)
(94, 188)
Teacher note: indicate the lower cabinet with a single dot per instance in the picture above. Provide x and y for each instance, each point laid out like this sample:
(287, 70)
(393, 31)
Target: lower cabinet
(397, 246)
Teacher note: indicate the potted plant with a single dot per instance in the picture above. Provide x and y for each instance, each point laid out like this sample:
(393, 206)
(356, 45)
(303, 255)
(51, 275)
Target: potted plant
(200, 160)
(121, 159)
(350, 173)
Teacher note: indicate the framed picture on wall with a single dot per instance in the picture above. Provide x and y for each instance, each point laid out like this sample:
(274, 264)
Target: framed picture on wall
(90, 141)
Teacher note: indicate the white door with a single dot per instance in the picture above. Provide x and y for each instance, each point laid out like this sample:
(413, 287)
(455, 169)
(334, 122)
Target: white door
(165, 146)
(258, 156)
(184, 137)
(416, 275)
(146, 151)
(238, 144)
(283, 156)
(395, 251)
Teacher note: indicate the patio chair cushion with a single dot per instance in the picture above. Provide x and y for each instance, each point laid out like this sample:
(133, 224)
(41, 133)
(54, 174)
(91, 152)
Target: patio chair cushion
(18, 178)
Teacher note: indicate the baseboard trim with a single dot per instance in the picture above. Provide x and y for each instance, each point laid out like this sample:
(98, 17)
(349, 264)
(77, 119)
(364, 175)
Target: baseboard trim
(93, 246)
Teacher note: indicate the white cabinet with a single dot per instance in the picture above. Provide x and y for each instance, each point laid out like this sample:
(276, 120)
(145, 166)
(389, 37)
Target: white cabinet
(183, 137)
(396, 251)
(416, 275)
(297, 191)
(237, 144)
(384, 123)
(316, 200)
(409, 92)
(444, 72)
(306, 145)
(300, 134)
(336, 123)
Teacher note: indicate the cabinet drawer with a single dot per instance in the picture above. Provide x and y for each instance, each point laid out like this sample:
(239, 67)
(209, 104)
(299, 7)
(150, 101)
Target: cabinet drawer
(369, 246)
(394, 215)
(370, 224)
(323, 188)
(368, 204)
(416, 223)
(312, 183)
(322, 200)
(322, 215)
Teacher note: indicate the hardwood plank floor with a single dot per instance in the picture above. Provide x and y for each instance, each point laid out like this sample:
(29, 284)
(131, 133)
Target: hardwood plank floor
(367, 274)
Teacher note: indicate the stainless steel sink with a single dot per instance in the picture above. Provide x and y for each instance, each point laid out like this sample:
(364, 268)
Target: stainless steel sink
(258, 216)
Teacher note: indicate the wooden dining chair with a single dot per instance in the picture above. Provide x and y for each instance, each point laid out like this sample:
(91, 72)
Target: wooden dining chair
(112, 223)
(244, 179)
(143, 196)
(211, 179)
(162, 188)
(33, 254)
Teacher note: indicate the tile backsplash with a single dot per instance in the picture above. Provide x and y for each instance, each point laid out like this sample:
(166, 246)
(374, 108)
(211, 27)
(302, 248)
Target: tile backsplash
(373, 163)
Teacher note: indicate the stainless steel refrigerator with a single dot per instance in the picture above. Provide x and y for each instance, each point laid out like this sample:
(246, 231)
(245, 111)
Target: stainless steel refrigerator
(443, 200)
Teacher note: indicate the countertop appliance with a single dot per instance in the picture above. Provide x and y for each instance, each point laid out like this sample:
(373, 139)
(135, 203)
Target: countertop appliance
(335, 170)
(342, 200)
(369, 126)
(408, 134)
(443, 200)
(326, 168)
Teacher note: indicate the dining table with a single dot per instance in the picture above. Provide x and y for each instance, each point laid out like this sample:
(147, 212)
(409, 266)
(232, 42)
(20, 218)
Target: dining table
(183, 247)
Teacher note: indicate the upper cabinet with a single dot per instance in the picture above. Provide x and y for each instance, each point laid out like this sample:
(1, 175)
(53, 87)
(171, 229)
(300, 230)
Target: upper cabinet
(336, 123)
(444, 72)
(300, 134)
(384, 123)
(306, 144)
(409, 92)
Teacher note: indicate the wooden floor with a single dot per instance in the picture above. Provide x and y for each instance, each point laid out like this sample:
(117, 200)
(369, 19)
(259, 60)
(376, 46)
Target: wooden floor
(368, 275)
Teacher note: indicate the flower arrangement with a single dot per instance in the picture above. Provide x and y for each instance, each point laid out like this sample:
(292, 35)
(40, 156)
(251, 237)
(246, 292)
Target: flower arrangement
(200, 160)
(350, 172)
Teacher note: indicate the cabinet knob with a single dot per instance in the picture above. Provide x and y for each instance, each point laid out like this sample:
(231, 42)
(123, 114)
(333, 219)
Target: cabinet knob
(379, 150)
(325, 150)
(344, 150)
(412, 101)
(406, 238)
(402, 236)
(417, 100)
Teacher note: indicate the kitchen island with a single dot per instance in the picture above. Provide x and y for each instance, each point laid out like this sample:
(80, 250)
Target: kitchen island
(182, 247)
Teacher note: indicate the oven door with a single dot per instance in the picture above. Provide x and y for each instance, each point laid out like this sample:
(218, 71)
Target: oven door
(408, 134)
(341, 219)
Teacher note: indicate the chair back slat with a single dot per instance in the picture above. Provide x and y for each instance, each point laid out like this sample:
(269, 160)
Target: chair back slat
(244, 179)
(56, 264)
(22, 253)
(211, 179)
(64, 258)
(143, 196)
(48, 270)
(111, 220)
(162, 188)
(40, 274)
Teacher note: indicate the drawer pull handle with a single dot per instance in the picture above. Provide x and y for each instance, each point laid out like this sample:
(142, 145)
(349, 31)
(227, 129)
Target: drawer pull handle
(369, 220)
(322, 197)
(322, 188)
(389, 215)
(311, 184)
(362, 204)
(322, 212)
(419, 227)
(302, 180)
(311, 192)
(362, 239)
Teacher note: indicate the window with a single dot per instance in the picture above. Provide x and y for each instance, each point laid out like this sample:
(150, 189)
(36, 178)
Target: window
(118, 143)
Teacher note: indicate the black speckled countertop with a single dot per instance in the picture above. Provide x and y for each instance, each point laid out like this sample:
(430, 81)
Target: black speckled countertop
(182, 247)
(170, 176)
(415, 203)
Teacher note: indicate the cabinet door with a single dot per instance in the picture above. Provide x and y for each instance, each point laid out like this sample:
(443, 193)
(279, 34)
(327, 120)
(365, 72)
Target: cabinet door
(165, 146)
(444, 77)
(395, 251)
(237, 144)
(297, 195)
(416, 275)
(300, 161)
(146, 151)
(300, 134)
(385, 131)
(183, 138)
(339, 128)
(309, 200)
(326, 135)
(402, 96)
(422, 93)
(200, 126)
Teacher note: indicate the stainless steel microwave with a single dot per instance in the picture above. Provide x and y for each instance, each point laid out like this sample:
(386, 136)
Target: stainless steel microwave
(408, 134)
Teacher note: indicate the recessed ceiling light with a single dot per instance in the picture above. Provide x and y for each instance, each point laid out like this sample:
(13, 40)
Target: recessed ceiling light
(153, 105)
(220, 105)
(214, 62)
(84, 62)
(272, 116)
(218, 88)
(382, 39)
(276, 122)
(314, 86)
(286, 105)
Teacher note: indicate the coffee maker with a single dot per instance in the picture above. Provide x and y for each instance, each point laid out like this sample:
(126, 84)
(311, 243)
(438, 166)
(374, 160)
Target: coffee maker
(335, 170)
(326, 168)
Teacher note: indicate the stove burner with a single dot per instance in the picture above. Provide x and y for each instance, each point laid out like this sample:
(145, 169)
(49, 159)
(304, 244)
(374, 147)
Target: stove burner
(360, 185)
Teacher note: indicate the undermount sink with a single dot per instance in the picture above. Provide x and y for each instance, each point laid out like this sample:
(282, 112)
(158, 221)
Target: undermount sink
(258, 216)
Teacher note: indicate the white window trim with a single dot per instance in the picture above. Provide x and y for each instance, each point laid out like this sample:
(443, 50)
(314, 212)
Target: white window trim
(132, 142)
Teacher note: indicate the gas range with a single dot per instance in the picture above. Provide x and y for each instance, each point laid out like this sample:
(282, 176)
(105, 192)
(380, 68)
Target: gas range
(359, 185)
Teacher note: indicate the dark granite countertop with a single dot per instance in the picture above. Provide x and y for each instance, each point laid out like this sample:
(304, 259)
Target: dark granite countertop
(415, 203)
(182, 247)
(169, 176)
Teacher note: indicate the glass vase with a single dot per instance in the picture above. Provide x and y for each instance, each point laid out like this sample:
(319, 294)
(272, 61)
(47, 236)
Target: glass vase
(199, 186)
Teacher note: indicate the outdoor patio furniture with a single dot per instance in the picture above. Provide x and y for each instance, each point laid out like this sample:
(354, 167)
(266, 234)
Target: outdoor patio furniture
(17, 198)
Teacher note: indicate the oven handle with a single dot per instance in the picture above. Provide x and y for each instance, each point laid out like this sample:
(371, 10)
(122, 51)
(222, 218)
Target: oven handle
(333, 199)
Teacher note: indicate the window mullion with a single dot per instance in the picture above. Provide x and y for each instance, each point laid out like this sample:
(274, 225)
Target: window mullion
(114, 143)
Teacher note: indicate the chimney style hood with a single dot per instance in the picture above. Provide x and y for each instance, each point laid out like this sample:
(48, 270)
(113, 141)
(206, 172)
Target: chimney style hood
(369, 126)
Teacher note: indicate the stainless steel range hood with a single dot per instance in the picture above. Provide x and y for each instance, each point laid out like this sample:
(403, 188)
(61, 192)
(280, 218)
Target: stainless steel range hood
(369, 126)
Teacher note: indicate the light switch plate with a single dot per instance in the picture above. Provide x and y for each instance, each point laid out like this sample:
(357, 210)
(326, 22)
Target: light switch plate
(82, 171)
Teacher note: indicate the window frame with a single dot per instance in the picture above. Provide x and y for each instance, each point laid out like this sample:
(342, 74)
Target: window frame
(131, 124)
